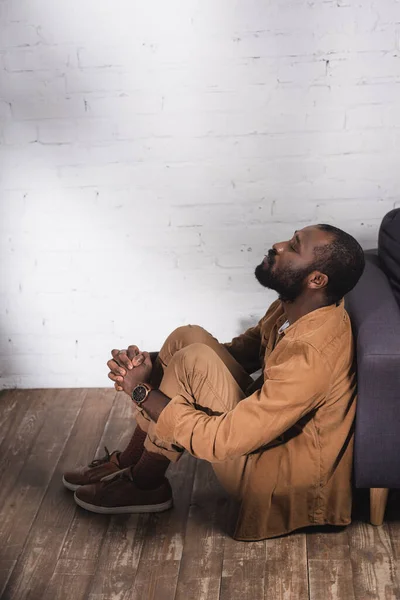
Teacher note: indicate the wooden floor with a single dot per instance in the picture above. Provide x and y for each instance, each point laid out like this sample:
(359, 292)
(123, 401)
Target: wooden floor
(51, 549)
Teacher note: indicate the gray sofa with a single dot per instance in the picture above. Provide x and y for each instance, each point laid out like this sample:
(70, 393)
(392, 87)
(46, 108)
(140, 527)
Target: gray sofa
(374, 309)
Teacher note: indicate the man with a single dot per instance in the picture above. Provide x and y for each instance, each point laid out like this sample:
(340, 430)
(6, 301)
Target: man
(282, 445)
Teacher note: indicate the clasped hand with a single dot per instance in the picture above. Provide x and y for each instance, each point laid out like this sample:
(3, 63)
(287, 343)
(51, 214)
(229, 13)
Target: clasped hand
(128, 368)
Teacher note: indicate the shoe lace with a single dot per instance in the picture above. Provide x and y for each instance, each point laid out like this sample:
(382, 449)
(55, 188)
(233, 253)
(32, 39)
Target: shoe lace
(122, 474)
(99, 461)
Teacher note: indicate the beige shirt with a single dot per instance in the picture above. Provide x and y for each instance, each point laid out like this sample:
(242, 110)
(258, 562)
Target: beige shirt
(296, 431)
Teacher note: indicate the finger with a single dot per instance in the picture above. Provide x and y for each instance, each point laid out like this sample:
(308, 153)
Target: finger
(138, 360)
(116, 369)
(116, 355)
(133, 351)
(123, 360)
(114, 377)
(147, 358)
(118, 387)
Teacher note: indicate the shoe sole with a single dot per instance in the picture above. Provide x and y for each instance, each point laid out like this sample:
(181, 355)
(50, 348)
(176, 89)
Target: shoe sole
(119, 510)
(70, 486)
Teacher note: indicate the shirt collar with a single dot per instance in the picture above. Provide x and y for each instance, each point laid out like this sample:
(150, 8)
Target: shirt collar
(311, 319)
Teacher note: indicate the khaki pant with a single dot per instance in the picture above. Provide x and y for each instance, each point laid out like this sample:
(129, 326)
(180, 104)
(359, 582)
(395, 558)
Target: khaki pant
(193, 360)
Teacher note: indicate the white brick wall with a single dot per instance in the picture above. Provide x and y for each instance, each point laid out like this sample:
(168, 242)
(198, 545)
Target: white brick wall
(152, 152)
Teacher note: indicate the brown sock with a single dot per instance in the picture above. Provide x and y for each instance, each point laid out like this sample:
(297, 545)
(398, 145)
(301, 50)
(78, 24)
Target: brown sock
(149, 472)
(132, 453)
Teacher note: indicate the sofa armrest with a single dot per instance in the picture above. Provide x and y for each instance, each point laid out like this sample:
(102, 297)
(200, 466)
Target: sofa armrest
(374, 313)
(153, 356)
(375, 317)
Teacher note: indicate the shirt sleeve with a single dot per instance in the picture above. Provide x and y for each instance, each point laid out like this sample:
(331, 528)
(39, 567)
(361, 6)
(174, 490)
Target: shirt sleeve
(295, 383)
(245, 348)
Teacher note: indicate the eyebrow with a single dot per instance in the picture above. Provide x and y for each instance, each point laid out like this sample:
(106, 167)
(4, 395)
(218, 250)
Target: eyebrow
(297, 237)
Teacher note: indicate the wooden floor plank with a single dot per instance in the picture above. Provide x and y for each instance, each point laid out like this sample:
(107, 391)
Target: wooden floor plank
(24, 429)
(22, 417)
(330, 580)
(29, 469)
(329, 566)
(286, 576)
(83, 541)
(13, 403)
(159, 538)
(201, 564)
(67, 587)
(328, 543)
(121, 546)
(152, 540)
(6, 568)
(19, 508)
(37, 562)
(85, 535)
(372, 560)
(119, 558)
(243, 570)
(393, 524)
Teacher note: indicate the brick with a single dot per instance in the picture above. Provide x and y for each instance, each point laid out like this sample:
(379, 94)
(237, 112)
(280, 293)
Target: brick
(254, 98)
(312, 71)
(31, 85)
(117, 55)
(257, 236)
(94, 80)
(124, 105)
(23, 177)
(53, 131)
(364, 67)
(353, 209)
(198, 259)
(369, 167)
(20, 344)
(19, 132)
(340, 43)
(285, 210)
(5, 110)
(40, 57)
(91, 131)
(19, 34)
(226, 214)
(365, 117)
(364, 93)
(49, 108)
(330, 120)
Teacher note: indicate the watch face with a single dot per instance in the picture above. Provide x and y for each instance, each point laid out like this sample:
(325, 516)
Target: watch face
(139, 393)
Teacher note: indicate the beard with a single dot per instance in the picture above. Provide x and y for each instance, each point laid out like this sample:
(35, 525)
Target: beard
(289, 283)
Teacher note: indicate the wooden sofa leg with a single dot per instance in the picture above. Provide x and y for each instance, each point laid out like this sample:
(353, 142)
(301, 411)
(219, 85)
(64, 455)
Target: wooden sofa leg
(378, 499)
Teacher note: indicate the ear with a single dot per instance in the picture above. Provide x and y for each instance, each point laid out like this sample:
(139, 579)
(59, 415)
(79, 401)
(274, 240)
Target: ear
(317, 280)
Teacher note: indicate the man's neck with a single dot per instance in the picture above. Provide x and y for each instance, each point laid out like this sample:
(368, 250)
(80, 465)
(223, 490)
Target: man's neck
(300, 307)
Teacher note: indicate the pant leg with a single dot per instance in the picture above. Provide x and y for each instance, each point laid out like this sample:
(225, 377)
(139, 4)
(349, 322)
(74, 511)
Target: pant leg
(191, 334)
(180, 338)
(199, 374)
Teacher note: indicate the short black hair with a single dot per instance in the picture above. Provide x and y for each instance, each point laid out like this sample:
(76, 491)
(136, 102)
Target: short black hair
(342, 260)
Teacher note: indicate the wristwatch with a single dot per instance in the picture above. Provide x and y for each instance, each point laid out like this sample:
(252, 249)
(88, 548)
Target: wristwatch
(140, 393)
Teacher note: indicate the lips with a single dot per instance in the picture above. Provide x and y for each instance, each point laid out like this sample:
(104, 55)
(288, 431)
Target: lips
(269, 259)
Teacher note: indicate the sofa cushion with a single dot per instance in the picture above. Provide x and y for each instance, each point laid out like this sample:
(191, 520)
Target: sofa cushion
(389, 249)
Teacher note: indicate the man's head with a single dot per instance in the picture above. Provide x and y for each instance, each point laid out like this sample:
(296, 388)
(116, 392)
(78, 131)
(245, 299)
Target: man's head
(319, 261)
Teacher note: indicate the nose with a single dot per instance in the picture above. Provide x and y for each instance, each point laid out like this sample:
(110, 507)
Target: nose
(279, 247)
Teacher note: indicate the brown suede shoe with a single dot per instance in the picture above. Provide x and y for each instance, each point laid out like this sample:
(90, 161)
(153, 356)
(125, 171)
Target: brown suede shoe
(94, 472)
(116, 494)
